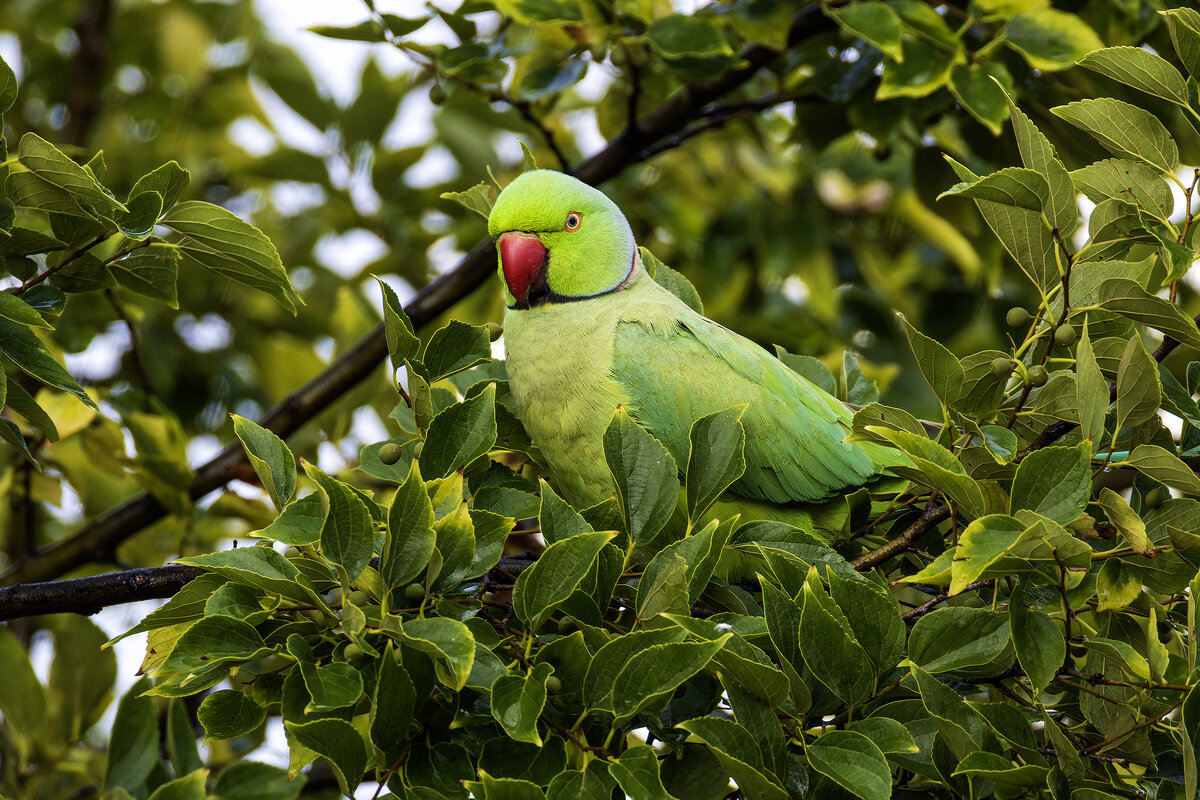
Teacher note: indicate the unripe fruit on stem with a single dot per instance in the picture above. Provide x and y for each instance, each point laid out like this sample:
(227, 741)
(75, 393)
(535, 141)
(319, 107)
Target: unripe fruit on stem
(417, 449)
(359, 598)
(390, 453)
(1038, 375)
(1017, 317)
(414, 593)
(291, 552)
(1154, 497)
(437, 95)
(1001, 367)
(1064, 335)
(567, 625)
(495, 331)
(353, 654)
(553, 685)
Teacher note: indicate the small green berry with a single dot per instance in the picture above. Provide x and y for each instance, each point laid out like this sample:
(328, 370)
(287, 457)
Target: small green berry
(359, 598)
(1065, 335)
(553, 685)
(417, 449)
(390, 453)
(567, 625)
(1017, 317)
(495, 330)
(353, 654)
(437, 95)
(1154, 498)
(1001, 367)
(414, 593)
(1038, 375)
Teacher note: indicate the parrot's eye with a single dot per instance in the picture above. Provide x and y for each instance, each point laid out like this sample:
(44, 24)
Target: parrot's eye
(574, 222)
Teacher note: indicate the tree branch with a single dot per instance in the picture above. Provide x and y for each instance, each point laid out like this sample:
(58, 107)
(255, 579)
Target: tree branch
(100, 536)
(934, 513)
(89, 595)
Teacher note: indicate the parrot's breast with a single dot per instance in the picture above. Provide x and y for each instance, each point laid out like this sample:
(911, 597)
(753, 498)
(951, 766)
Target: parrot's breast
(558, 358)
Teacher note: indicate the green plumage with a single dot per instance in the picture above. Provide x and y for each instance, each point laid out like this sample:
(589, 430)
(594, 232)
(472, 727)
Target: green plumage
(570, 364)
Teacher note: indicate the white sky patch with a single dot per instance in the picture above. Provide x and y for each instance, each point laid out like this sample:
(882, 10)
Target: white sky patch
(413, 124)
(10, 51)
(101, 360)
(1081, 236)
(347, 253)
(436, 166)
(292, 198)
(202, 448)
(252, 136)
(403, 289)
(443, 255)
(795, 289)
(293, 130)
(204, 334)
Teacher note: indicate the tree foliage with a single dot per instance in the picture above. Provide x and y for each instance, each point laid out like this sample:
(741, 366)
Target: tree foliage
(1009, 611)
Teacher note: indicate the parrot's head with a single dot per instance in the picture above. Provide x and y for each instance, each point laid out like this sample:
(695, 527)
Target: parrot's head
(559, 240)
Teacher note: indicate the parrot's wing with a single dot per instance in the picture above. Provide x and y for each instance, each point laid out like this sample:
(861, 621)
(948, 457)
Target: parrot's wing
(678, 367)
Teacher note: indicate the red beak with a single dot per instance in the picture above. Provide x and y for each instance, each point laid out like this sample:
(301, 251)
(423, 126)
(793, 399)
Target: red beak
(522, 257)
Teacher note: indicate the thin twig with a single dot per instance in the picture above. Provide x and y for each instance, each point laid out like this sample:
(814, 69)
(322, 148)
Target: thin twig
(565, 731)
(135, 349)
(942, 597)
(934, 513)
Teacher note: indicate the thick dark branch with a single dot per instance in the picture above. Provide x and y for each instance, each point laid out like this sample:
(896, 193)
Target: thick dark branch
(89, 595)
(101, 536)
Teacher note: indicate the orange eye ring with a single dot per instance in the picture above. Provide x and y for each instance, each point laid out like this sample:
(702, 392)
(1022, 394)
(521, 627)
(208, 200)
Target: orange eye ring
(574, 222)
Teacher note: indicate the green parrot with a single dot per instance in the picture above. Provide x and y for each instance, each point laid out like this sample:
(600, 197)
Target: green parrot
(587, 330)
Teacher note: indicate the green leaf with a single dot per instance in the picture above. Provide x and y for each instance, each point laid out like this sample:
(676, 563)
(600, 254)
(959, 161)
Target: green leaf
(1141, 69)
(593, 783)
(1041, 649)
(1164, 467)
(612, 657)
(888, 735)
(874, 617)
(1127, 298)
(144, 211)
(1116, 585)
(990, 766)
(22, 697)
(1091, 392)
(410, 539)
(936, 466)
(1122, 654)
(8, 87)
(25, 350)
(133, 750)
(553, 578)
(348, 533)
(943, 372)
(829, 647)
(270, 457)
(300, 523)
(1184, 25)
(873, 22)
(657, 670)
(460, 434)
(1012, 186)
(955, 638)
(477, 199)
(716, 458)
(1050, 39)
(854, 762)
(923, 70)
(456, 347)
(517, 702)
(402, 342)
(975, 89)
(1124, 130)
(958, 724)
(189, 787)
(228, 714)
(1131, 181)
(253, 780)
(682, 36)
(392, 705)
(17, 310)
(215, 641)
(169, 181)
(645, 474)
(1139, 390)
(50, 164)
(556, 518)
(151, 272)
(738, 753)
(338, 743)
(671, 280)
(220, 241)
(366, 31)
(1054, 482)
(449, 641)
(259, 567)
(1128, 523)
(637, 772)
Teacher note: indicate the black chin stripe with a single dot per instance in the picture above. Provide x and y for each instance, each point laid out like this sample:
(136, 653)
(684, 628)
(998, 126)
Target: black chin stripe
(541, 294)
